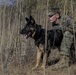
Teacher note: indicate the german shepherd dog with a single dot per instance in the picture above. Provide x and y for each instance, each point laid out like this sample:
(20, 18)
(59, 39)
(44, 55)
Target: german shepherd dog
(36, 32)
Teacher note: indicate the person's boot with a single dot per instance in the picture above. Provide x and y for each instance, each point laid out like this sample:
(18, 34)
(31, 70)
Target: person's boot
(63, 63)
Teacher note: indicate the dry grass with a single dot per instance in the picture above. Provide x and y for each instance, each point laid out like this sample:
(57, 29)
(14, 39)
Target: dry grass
(24, 67)
(16, 56)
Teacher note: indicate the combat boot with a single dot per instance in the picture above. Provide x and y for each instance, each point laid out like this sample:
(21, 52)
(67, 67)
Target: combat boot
(62, 63)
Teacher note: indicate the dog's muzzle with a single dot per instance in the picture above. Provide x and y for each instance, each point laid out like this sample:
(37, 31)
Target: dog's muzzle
(26, 36)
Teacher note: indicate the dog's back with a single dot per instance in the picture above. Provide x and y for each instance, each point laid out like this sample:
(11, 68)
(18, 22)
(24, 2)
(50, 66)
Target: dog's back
(53, 36)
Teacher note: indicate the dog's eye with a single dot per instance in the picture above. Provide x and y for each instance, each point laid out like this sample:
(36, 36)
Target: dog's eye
(27, 28)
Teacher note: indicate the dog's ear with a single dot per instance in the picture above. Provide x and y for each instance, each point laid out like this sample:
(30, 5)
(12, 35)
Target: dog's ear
(31, 17)
(32, 20)
(26, 19)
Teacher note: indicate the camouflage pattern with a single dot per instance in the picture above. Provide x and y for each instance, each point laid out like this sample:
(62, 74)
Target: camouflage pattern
(64, 53)
(66, 43)
(67, 25)
(68, 34)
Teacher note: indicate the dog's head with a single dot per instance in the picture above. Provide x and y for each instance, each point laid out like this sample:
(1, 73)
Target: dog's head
(29, 29)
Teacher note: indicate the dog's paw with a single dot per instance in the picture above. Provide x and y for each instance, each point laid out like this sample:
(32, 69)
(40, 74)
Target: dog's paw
(42, 67)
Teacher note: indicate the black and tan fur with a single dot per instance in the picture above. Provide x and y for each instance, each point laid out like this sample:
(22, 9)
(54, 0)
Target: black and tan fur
(54, 39)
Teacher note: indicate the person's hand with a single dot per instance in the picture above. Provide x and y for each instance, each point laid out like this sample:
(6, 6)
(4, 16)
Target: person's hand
(53, 18)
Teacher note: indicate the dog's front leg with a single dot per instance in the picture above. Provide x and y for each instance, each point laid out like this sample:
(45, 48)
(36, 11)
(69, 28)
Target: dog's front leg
(44, 61)
(39, 52)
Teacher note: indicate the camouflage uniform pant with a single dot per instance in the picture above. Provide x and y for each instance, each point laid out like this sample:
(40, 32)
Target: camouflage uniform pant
(66, 43)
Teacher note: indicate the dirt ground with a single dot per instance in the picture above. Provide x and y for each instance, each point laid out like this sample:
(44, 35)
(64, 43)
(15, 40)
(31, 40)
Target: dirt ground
(22, 67)
(16, 69)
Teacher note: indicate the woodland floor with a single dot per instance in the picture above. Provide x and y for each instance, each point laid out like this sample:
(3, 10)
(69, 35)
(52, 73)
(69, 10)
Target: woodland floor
(21, 68)
(15, 69)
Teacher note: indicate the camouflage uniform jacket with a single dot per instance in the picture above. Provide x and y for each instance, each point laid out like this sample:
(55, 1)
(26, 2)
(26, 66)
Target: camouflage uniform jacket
(67, 23)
